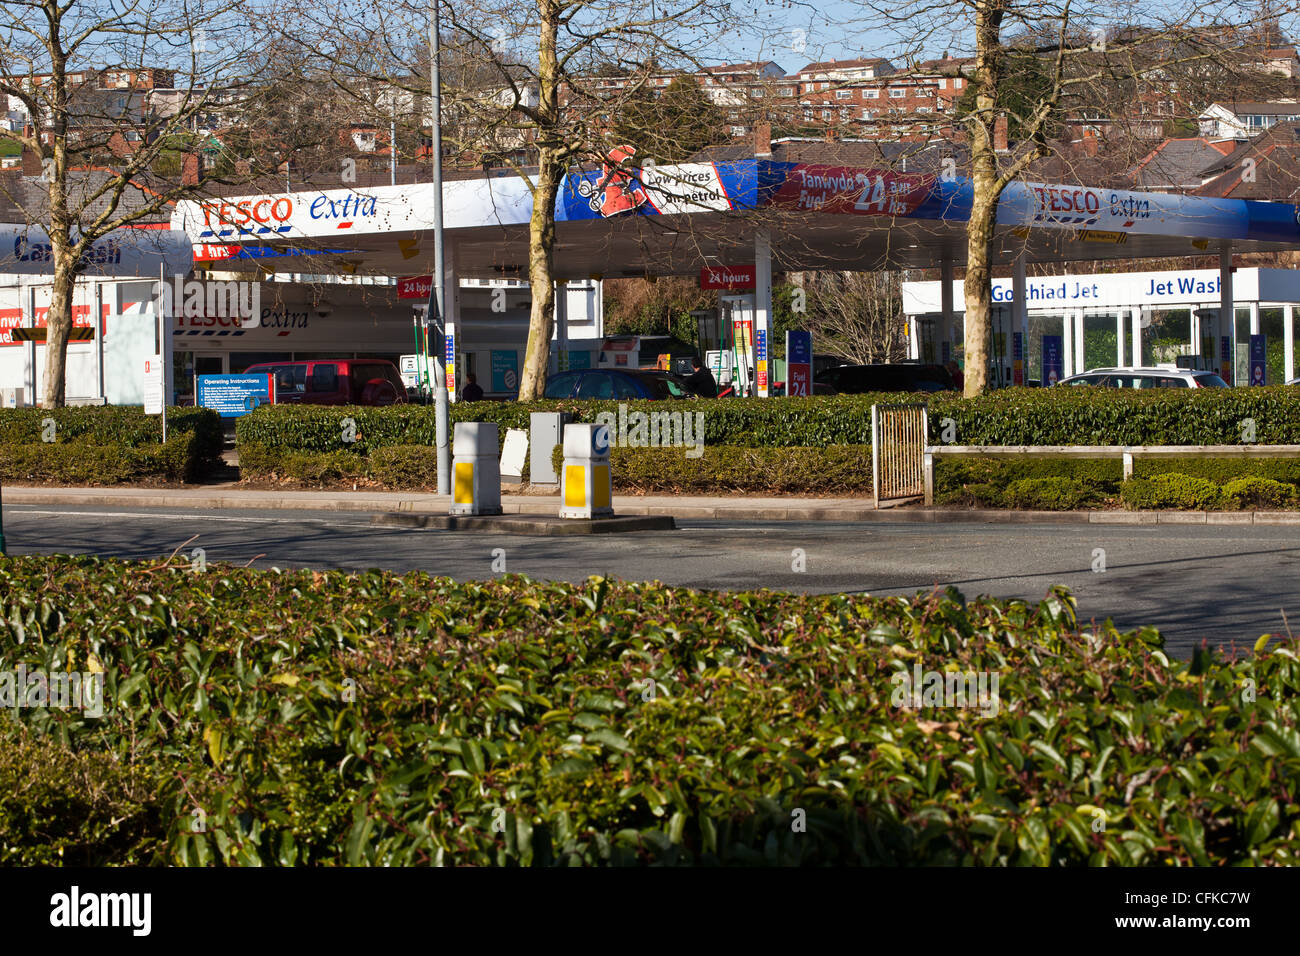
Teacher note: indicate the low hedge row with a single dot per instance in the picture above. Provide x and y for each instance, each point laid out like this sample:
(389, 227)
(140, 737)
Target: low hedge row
(720, 470)
(413, 467)
(299, 717)
(1066, 416)
(839, 470)
(1051, 484)
(1193, 493)
(1054, 484)
(107, 445)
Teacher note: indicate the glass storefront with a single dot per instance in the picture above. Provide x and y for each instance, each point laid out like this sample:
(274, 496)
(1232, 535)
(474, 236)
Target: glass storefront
(1100, 340)
(1040, 325)
(1167, 337)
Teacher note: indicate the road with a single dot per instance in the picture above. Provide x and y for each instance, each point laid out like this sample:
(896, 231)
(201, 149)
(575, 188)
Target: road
(1220, 583)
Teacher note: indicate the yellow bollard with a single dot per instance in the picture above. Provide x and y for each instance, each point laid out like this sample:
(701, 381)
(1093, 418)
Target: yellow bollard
(475, 471)
(586, 478)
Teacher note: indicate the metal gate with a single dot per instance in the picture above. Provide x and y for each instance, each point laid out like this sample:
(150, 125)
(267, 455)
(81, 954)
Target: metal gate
(898, 439)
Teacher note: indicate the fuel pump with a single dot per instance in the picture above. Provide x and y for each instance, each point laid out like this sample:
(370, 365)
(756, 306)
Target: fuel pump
(736, 312)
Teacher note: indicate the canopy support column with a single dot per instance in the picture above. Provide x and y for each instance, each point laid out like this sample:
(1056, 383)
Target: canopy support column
(1080, 352)
(1227, 306)
(1019, 317)
(561, 361)
(762, 309)
(1288, 343)
(1135, 328)
(451, 311)
(945, 300)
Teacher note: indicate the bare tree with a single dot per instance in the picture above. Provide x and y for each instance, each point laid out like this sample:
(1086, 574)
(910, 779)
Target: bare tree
(1034, 61)
(120, 87)
(535, 86)
(858, 315)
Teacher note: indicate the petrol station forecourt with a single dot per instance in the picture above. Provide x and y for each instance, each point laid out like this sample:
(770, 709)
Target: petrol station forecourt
(750, 215)
(517, 748)
(759, 213)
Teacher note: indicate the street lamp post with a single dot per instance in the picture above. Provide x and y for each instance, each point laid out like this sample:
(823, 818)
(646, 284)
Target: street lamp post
(436, 315)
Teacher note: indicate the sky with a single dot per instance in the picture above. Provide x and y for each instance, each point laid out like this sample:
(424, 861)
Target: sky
(796, 33)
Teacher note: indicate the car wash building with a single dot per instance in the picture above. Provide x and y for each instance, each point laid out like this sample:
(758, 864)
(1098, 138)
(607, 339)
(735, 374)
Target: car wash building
(1073, 323)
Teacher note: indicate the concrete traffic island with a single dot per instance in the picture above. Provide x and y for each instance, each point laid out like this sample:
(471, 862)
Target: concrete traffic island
(586, 497)
(527, 524)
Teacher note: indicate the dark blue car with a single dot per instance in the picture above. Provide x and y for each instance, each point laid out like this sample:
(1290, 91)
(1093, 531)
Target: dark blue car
(616, 383)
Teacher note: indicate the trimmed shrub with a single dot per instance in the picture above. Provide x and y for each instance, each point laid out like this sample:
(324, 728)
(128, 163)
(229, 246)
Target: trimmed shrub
(840, 470)
(1171, 491)
(1222, 470)
(321, 469)
(105, 445)
(60, 806)
(405, 466)
(1085, 416)
(1017, 416)
(1253, 492)
(1049, 494)
(983, 482)
(379, 719)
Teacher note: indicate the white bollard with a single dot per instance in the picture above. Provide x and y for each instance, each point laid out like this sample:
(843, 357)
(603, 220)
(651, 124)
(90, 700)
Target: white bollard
(587, 482)
(476, 475)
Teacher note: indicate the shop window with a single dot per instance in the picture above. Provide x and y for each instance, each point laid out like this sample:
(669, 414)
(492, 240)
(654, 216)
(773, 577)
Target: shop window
(1270, 324)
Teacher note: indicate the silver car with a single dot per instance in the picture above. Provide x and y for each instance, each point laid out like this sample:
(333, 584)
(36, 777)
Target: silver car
(1146, 378)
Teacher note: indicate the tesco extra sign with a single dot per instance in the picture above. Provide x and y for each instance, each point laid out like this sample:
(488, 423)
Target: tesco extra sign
(1064, 199)
(256, 215)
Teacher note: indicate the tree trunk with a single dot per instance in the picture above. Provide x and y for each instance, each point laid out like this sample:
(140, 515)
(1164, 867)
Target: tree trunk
(978, 286)
(541, 278)
(978, 290)
(551, 167)
(58, 325)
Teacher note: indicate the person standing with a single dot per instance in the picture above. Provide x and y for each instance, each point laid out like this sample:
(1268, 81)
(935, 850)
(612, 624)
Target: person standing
(472, 392)
(701, 380)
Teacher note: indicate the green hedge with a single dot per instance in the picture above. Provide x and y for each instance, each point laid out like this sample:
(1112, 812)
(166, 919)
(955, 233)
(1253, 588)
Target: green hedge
(840, 470)
(985, 482)
(413, 467)
(327, 718)
(1085, 416)
(1191, 492)
(107, 445)
(1065, 416)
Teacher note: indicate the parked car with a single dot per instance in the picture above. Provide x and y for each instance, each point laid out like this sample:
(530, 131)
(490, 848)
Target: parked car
(616, 383)
(335, 382)
(901, 377)
(1145, 378)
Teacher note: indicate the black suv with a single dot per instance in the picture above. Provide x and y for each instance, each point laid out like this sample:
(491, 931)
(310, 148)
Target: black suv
(902, 377)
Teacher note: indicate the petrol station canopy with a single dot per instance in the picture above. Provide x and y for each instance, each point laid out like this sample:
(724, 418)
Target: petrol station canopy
(619, 221)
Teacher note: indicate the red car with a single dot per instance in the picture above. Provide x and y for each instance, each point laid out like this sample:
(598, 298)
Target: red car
(335, 382)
